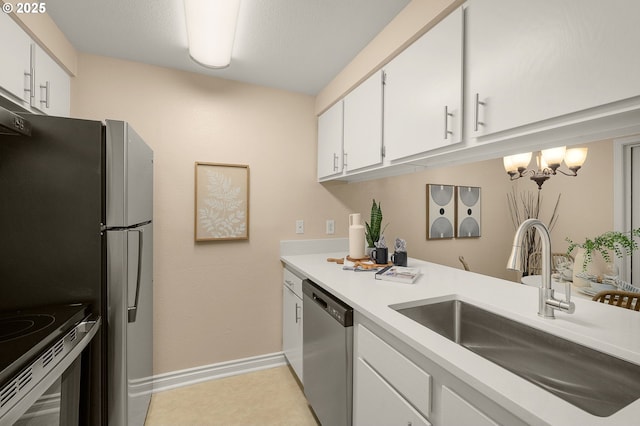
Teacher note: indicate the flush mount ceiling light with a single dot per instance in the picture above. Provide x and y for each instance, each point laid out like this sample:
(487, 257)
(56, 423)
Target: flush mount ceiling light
(548, 161)
(211, 28)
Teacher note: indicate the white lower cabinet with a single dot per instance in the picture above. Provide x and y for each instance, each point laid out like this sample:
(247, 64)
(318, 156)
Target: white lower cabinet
(292, 321)
(393, 384)
(376, 402)
(460, 412)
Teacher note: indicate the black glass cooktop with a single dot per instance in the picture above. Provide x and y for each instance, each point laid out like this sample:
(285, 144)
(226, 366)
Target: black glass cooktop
(27, 332)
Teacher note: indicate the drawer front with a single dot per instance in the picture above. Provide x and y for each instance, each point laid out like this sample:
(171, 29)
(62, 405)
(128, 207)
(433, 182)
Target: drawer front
(409, 380)
(458, 411)
(376, 403)
(294, 282)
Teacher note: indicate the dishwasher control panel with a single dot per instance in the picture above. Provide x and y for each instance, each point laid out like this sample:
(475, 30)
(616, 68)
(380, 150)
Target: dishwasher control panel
(333, 306)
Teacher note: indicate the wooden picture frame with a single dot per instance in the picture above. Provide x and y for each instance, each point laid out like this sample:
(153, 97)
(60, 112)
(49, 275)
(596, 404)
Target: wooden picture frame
(440, 211)
(221, 202)
(468, 207)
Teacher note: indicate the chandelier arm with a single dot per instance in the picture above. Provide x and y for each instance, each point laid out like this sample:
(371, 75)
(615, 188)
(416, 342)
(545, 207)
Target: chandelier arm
(572, 173)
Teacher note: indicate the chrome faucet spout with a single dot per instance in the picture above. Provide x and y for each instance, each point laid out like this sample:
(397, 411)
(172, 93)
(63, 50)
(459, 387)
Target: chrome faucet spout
(546, 302)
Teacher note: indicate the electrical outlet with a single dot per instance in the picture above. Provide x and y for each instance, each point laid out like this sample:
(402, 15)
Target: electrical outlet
(299, 226)
(331, 226)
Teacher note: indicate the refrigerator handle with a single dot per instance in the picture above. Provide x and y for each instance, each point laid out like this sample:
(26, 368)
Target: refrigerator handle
(132, 311)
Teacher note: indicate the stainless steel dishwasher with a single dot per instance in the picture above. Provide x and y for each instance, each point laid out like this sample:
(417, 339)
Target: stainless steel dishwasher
(327, 353)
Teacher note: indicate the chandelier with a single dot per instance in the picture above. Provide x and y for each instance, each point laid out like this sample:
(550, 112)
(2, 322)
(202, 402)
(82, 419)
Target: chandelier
(548, 163)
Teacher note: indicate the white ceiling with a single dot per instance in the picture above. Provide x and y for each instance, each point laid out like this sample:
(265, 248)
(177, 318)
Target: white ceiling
(296, 45)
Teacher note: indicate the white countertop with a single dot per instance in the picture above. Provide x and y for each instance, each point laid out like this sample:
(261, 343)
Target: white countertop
(609, 329)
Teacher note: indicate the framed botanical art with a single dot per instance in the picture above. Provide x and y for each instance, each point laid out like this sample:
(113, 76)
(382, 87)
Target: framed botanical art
(221, 202)
(440, 211)
(468, 212)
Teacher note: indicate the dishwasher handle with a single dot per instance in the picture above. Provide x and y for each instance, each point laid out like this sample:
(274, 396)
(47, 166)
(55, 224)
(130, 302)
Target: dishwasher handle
(319, 300)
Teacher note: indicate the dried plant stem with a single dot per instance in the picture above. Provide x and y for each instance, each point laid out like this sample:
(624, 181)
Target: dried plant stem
(525, 206)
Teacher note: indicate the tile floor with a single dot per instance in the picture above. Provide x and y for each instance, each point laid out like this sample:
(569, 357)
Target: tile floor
(269, 397)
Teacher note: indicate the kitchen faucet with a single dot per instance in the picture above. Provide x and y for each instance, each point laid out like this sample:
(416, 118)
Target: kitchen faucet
(546, 302)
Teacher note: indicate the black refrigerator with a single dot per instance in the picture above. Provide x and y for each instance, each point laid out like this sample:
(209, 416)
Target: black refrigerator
(76, 226)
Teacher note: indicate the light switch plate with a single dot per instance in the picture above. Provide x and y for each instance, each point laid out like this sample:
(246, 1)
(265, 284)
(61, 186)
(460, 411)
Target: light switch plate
(331, 226)
(299, 226)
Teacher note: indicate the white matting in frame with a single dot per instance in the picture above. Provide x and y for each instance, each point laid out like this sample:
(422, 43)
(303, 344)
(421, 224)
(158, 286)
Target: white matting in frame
(468, 199)
(221, 202)
(440, 211)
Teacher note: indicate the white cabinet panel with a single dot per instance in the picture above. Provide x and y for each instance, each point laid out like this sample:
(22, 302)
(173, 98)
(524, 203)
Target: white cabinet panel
(16, 59)
(531, 61)
(457, 411)
(363, 124)
(52, 86)
(407, 378)
(377, 403)
(423, 92)
(292, 321)
(330, 134)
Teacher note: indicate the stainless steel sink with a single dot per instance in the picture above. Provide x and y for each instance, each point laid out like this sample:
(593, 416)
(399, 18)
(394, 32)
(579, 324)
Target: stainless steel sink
(597, 383)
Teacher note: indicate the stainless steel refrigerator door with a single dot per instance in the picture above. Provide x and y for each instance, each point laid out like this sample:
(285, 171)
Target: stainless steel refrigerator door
(130, 285)
(129, 164)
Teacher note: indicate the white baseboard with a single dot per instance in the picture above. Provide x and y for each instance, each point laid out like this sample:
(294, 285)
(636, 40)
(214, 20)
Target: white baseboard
(190, 376)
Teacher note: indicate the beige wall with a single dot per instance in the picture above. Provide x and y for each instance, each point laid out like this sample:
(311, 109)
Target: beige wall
(214, 301)
(585, 208)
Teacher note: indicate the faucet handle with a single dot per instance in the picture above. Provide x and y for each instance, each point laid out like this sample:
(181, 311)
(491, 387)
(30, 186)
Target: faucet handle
(571, 307)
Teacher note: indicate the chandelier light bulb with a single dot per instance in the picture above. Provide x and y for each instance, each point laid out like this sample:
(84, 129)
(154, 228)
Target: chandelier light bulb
(554, 156)
(575, 157)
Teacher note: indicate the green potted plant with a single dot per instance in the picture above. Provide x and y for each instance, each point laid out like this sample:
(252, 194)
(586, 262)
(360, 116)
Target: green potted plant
(619, 243)
(372, 228)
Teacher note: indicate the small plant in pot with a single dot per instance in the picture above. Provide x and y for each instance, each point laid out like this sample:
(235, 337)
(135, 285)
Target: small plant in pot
(619, 243)
(610, 243)
(372, 229)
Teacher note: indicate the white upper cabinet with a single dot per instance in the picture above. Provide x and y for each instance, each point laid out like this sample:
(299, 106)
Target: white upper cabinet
(28, 75)
(423, 92)
(52, 86)
(363, 124)
(529, 61)
(330, 133)
(15, 51)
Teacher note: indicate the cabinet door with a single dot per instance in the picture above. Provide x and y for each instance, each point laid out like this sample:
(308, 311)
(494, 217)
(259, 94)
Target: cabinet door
(457, 411)
(531, 61)
(292, 330)
(377, 403)
(423, 92)
(363, 124)
(52, 86)
(15, 51)
(330, 133)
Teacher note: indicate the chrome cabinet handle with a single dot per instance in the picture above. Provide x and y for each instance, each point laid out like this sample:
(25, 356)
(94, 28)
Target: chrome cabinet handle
(447, 114)
(289, 283)
(298, 317)
(344, 161)
(477, 112)
(132, 311)
(47, 91)
(335, 162)
(31, 74)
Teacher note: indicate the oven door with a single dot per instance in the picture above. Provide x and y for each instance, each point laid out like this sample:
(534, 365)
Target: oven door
(47, 392)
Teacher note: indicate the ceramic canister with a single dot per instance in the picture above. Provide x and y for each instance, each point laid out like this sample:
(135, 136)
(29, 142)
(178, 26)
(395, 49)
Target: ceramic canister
(356, 237)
